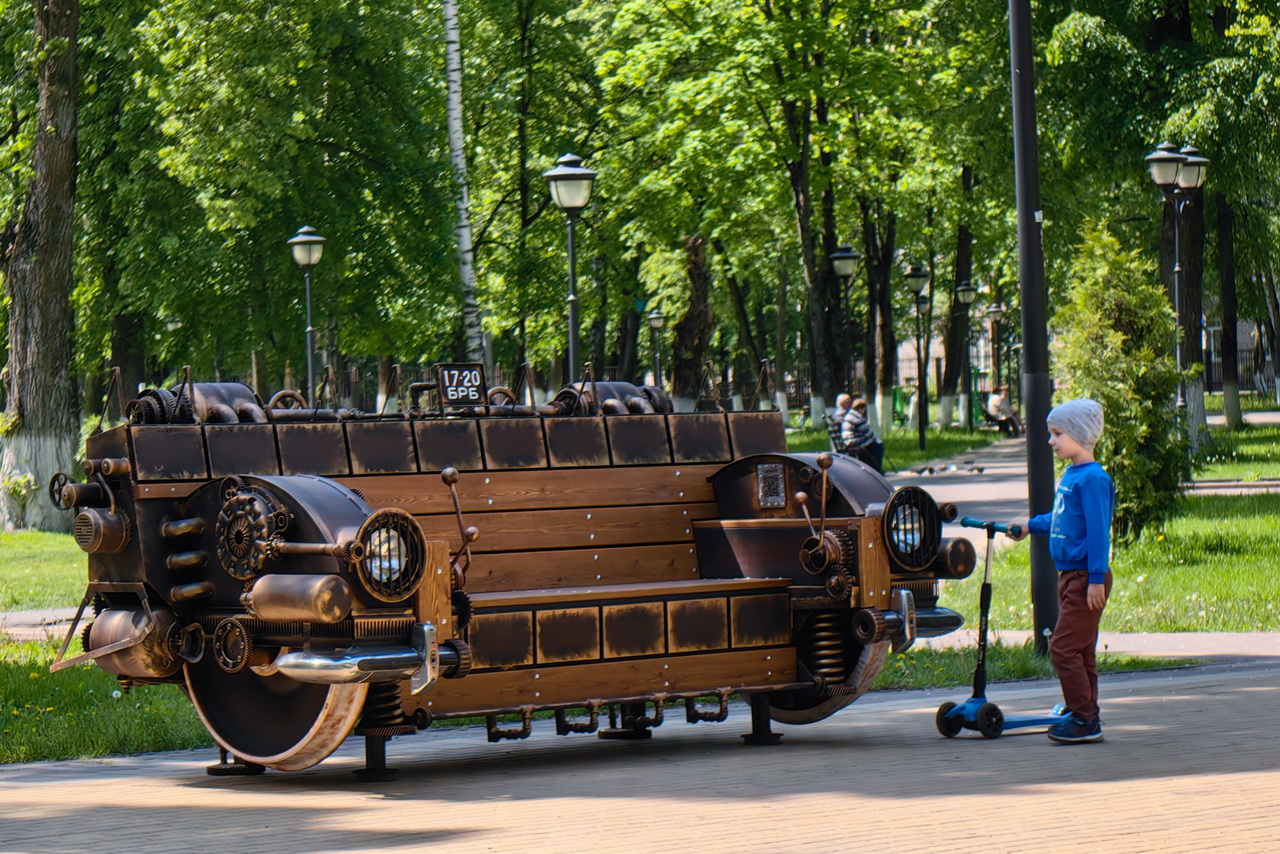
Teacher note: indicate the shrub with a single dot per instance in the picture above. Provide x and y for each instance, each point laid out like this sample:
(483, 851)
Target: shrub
(1114, 343)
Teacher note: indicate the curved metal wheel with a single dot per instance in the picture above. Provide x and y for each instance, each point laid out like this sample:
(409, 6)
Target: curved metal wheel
(950, 727)
(790, 708)
(273, 720)
(990, 720)
(290, 396)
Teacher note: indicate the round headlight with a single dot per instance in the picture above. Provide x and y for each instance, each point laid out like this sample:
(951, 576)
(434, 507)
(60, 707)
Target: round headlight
(912, 528)
(395, 555)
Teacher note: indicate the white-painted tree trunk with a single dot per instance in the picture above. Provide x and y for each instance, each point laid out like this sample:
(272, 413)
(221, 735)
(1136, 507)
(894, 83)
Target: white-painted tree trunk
(1197, 419)
(28, 461)
(471, 328)
(884, 412)
(947, 405)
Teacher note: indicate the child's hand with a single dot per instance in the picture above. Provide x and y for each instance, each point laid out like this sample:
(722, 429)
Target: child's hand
(1018, 529)
(1097, 596)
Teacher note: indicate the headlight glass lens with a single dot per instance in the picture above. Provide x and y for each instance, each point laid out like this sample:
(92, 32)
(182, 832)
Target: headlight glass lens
(385, 555)
(912, 528)
(395, 555)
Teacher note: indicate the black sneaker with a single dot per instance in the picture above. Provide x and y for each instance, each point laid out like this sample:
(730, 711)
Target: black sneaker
(1076, 730)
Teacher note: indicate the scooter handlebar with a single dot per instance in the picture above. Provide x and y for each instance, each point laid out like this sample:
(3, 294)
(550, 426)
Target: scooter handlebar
(1011, 530)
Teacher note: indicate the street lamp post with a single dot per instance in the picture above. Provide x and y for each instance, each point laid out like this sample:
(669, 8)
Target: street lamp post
(308, 246)
(1178, 174)
(966, 293)
(656, 321)
(916, 278)
(844, 260)
(994, 314)
(571, 190)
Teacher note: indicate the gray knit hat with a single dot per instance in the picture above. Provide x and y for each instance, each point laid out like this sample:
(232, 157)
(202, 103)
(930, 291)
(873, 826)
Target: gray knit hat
(1081, 419)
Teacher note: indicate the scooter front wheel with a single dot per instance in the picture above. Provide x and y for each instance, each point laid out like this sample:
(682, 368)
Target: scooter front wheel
(948, 726)
(989, 720)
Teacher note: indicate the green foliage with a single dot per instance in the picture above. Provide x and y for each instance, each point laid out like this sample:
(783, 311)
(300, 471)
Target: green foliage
(1210, 570)
(1114, 344)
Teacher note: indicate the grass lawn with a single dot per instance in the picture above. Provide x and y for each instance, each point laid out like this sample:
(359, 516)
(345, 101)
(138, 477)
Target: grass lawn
(901, 447)
(80, 712)
(1211, 570)
(39, 570)
(921, 667)
(1250, 401)
(1249, 454)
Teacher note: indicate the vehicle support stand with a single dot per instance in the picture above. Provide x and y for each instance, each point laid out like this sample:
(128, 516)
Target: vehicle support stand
(761, 730)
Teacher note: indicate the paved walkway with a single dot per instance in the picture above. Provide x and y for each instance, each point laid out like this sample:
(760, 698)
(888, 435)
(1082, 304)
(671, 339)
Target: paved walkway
(1191, 763)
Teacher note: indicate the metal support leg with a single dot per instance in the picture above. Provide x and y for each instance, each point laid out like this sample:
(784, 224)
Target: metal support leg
(761, 731)
(231, 766)
(375, 768)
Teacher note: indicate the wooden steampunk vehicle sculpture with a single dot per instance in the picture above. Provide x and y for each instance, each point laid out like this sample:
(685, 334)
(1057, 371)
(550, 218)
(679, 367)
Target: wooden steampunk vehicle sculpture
(306, 574)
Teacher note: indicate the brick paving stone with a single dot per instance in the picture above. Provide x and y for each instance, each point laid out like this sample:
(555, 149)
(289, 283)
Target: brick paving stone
(1191, 763)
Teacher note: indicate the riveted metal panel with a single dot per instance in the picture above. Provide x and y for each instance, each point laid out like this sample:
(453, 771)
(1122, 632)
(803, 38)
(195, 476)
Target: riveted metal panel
(514, 443)
(570, 634)
(241, 449)
(638, 439)
(168, 453)
(701, 438)
(638, 629)
(502, 640)
(576, 442)
(381, 447)
(698, 624)
(445, 444)
(760, 620)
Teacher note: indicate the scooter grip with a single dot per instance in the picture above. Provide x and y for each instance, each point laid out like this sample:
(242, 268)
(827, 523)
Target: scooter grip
(1011, 530)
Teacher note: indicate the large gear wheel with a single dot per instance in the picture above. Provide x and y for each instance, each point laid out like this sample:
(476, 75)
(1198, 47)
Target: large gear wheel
(832, 550)
(244, 528)
(232, 645)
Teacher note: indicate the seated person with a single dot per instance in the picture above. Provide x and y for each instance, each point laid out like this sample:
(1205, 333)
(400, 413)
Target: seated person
(857, 436)
(1001, 410)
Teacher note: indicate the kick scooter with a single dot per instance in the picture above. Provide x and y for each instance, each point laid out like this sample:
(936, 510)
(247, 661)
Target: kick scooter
(977, 713)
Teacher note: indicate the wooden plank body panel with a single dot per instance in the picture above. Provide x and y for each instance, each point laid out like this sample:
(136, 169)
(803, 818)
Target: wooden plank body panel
(478, 492)
(559, 685)
(572, 567)
(615, 592)
(566, 529)
(873, 565)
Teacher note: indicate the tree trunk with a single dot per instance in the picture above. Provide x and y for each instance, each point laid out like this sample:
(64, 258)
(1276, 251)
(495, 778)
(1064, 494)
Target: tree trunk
(1230, 346)
(693, 332)
(39, 429)
(879, 233)
(472, 333)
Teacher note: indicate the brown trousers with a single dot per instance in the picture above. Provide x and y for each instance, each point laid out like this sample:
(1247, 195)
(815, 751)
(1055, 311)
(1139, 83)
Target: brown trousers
(1073, 647)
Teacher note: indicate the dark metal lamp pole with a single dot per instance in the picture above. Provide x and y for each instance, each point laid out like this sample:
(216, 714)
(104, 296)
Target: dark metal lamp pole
(307, 247)
(656, 321)
(571, 190)
(966, 293)
(916, 278)
(843, 260)
(1178, 174)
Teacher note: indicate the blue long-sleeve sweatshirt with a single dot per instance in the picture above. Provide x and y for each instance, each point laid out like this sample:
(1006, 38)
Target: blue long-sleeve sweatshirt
(1079, 528)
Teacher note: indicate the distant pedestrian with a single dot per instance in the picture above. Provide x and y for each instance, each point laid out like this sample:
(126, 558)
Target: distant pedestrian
(858, 437)
(1079, 531)
(1001, 409)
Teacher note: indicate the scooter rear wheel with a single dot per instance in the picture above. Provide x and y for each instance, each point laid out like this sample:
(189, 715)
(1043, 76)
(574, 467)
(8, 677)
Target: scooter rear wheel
(989, 720)
(948, 726)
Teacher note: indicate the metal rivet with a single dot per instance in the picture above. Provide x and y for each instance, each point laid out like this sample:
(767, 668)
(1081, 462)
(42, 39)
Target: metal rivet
(598, 576)
(486, 480)
(681, 493)
(490, 500)
(588, 515)
(593, 536)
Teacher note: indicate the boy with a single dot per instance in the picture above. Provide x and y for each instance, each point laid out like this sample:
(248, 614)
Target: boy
(1079, 531)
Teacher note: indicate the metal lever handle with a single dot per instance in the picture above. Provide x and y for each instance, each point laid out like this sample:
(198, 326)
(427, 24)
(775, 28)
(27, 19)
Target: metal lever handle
(992, 528)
